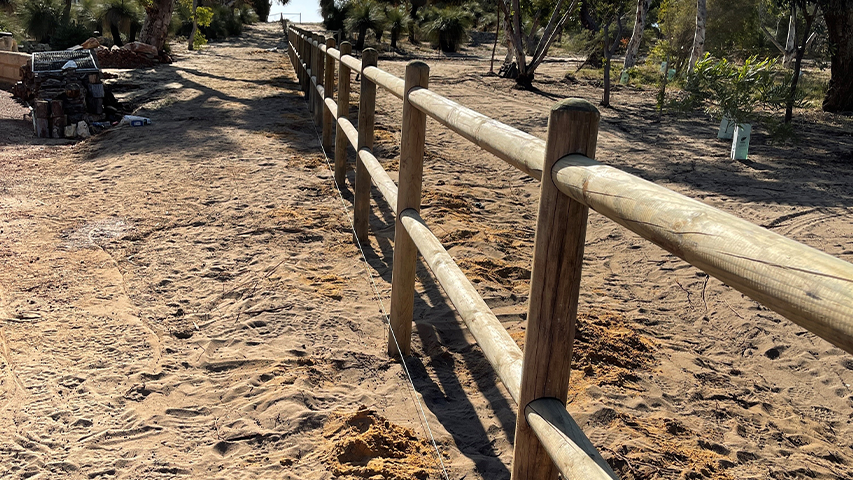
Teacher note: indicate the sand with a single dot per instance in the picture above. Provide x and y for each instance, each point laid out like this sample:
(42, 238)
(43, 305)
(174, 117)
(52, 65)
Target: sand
(185, 299)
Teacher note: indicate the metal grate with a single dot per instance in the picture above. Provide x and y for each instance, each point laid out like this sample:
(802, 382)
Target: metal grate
(52, 62)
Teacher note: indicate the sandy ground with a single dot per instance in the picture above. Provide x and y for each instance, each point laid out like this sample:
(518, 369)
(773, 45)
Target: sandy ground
(185, 300)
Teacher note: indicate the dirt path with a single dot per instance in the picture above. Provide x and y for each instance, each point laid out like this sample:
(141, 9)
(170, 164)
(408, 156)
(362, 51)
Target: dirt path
(185, 300)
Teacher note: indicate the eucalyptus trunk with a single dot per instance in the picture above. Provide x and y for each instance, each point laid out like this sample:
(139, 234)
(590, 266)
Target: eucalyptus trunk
(637, 36)
(838, 15)
(699, 36)
(191, 43)
(158, 16)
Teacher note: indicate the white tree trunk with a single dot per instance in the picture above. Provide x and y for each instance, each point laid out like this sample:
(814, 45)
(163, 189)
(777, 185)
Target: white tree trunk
(699, 37)
(637, 36)
(791, 43)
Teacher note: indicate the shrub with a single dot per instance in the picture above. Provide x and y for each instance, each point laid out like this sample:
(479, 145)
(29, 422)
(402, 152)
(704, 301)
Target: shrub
(69, 34)
(397, 21)
(738, 92)
(447, 28)
(40, 18)
(363, 16)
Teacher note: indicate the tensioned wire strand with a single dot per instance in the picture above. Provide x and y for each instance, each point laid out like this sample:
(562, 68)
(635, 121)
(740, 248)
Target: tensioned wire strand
(385, 318)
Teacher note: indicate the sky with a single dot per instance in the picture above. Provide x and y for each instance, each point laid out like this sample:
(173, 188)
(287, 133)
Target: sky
(310, 10)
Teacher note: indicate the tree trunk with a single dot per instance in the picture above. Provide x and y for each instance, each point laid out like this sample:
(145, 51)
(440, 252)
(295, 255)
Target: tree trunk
(637, 36)
(791, 44)
(114, 31)
(359, 43)
(134, 31)
(158, 15)
(605, 99)
(838, 15)
(66, 12)
(798, 60)
(699, 37)
(191, 43)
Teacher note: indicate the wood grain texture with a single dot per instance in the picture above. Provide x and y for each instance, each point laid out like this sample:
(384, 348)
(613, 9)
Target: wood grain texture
(343, 112)
(573, 454)
(408, 197)
(521, 150)
(809, 287)
(329, 90)
(554, 284)
(396, 86)
(366, 119)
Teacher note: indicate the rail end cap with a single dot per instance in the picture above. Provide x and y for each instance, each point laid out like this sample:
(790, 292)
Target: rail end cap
(575, 105)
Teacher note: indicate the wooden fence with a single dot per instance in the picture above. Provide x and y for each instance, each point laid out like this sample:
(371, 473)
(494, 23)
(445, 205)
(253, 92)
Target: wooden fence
(809, 287)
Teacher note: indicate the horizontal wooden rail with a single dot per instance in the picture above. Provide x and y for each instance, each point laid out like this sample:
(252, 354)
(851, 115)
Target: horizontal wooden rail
(809, 287)
(498, 347)
(351, 62)
(500, 350)
(577, 457)
(394, 85)
(805, 285)
(574, 455)
(521, 150)
(380, 178)
(331, 106)
(349, 130)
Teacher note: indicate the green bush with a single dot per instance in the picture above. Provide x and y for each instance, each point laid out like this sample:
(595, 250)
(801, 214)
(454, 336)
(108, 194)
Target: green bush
(70, 34)
(397, 20)
(40, 18)
(447, 28)
(364, 15)
(739, 92)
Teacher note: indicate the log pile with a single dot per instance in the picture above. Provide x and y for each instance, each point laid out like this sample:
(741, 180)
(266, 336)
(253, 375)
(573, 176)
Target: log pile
(65, 89)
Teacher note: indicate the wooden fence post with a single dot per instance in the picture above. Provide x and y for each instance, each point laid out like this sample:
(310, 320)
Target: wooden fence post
(341, 141)
(312, 70)
(321, 67)
(328, 92)
(408, 197)
(366, 114)
(554, 284)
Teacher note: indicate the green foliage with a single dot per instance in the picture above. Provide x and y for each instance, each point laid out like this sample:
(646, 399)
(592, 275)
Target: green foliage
(732, 28)
(447, 28)
(247, 15)
(739, 92)
(204, 16)
(215, 21)
(8, 23)
(397, 20)
(262, 8)
(120, 13)
(40, 18)
(677, 24)
(69, 34)
(364, 15)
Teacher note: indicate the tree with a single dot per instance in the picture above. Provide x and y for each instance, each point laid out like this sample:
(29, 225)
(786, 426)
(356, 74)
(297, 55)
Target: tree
(637, 36)
(157, 19)
(40, 18)
(799, 47)
(117, 16)
(262, 8)
(699, 36)
(397, 20)
(447, 28)
(518, 39)
(838, 16)
(363, 16)
(413, 15)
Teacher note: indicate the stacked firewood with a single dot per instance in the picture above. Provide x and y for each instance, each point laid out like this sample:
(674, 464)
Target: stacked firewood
(64, 99)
